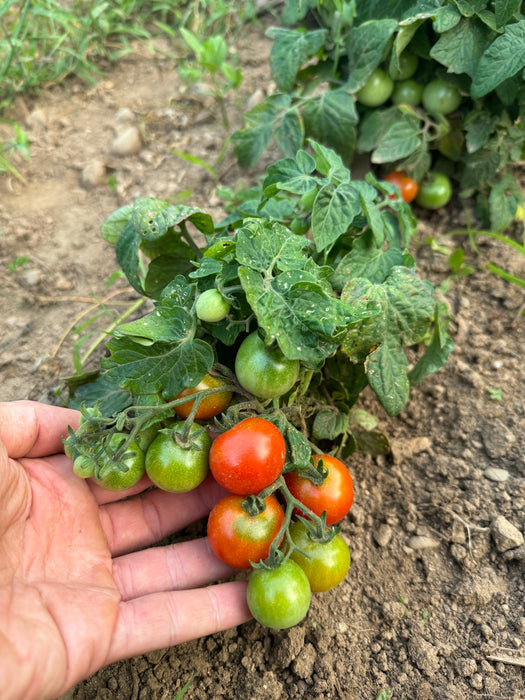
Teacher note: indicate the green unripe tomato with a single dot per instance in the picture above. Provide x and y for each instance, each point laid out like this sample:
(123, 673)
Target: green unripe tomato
(407, 92)
(111, 476)
(435, 191)
(308, 199)
(211, 306)
(178, 469)
(300, 225)
(408, 64)
(376, 90)
(265, 373)
(452, 144)
(279, 598)
(440, 97)
(325, 564)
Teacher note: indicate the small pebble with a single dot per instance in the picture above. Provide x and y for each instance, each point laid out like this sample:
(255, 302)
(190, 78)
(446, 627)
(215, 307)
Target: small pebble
(422, 542)
(496, 474)
(383, 535)
(505, 535)
(127, 142)
(94, 174)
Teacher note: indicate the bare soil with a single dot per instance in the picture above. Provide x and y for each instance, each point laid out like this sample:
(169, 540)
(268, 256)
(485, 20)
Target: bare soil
(433, 605)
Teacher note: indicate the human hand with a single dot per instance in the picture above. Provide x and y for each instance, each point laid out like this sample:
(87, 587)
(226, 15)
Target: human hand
(78, 589)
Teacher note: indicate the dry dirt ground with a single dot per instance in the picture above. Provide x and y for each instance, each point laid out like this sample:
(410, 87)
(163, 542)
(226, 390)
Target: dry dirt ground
(433, 605)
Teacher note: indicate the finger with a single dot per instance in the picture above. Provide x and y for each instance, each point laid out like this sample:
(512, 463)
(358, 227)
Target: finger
(162, 620)
(32, 429)
(105, 496)
(147, 518)
(174, 567)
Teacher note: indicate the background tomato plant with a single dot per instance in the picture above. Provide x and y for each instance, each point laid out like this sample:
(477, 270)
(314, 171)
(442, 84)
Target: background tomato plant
(335, 78)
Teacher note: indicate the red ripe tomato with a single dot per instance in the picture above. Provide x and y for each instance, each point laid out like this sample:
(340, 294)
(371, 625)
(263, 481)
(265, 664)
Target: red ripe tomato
(209, 406)
(335, 495)
(248, 457)
(238, 538)
(408, 187)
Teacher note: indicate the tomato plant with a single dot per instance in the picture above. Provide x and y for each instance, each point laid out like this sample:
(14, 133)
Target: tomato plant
(280, 597)
(209, 405)
(178, 465)
(407, 187)
(248, 457)
(238, 537)
(353, 85)
(263, 371)
(334, 496)
(211, 306)
(435, 191)
(324, 563)
(121, 474)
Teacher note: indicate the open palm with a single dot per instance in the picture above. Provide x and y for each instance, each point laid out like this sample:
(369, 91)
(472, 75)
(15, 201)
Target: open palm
(79, 588)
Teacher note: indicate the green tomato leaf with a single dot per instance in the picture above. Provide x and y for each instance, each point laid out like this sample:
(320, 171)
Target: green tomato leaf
(164, 268)
(501, 60)
(399, 140)
(152, 218)
(295, 311)
(329, 163)
(460, 48)
(439, 349)
(292, 48)
(288, 133)
(331, 118)
(291, 175)
(334, 209)
(366, 260)
(158, 367)
(265, 245)
(387, 369)
(115, 223)
(406, 309)
(166, 324)
(329, 424)
(365, 46)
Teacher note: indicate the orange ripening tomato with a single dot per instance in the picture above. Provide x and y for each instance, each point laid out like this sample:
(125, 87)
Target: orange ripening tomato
(238, 538)
(408, 187)
(335, 495)
(209, 406)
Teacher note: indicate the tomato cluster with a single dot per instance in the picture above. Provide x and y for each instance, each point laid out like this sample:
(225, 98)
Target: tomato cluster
(436, 97)
(277, 520)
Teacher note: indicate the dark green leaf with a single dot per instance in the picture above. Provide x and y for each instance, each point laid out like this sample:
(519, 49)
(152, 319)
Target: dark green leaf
(115, 223)
(371, 442)
(460, 48)
(329, 424)
(365, 46)
(329, 163)
(263, 245)
(367, 261)
(335, 208)
(291, 174)
(331, 118)
(503, 59)
(166, 324)
(292, 48)
(401, 138)
(289, 133)
(158, 367)
(439, 349)
(386, 369)
(163, 269)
